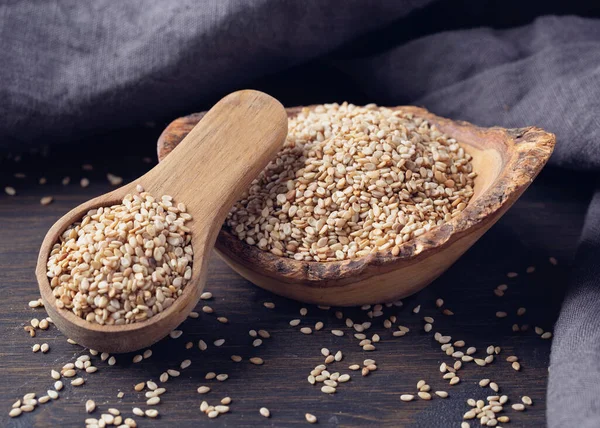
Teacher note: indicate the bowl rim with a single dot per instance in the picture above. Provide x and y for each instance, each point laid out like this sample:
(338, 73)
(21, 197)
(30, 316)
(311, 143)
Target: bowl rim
(528, 149)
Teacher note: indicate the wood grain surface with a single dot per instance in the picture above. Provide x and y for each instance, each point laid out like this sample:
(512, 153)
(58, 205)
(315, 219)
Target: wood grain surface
(545, 222)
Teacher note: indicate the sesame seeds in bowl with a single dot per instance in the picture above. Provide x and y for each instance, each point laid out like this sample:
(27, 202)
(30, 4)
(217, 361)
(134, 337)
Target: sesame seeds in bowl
(351, 181)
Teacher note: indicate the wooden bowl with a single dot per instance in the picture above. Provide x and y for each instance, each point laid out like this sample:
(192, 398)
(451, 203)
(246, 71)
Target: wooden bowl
(506, 161)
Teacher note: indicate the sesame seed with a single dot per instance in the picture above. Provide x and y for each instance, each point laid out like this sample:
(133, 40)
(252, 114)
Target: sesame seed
(546, 335)
(90, 406)
(257, 361)
(269, 305)
(328, 389)
(441, 394)
(10, 191)
(518, 407)
(265, 412)
(46, 200)
(78, 382)
(407, 397)
(206, 295)
(501, 314)
(219, 342)
(516, 366)
(526, 400)
(151, 413)
(310, 418)
(203, 389)
(294, 322)
(236, 358)
(306, 330)
(338, 333)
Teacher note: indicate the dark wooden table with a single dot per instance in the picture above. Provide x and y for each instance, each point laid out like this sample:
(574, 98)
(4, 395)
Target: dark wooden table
(545, 222)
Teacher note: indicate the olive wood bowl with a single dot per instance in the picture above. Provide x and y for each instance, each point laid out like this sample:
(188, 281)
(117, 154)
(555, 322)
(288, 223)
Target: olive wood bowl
(506, 161)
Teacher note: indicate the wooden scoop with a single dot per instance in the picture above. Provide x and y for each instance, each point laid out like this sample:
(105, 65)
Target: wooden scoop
(208, 172)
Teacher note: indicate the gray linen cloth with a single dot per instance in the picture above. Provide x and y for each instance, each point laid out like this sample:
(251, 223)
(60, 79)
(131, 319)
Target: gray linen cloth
(71, 68)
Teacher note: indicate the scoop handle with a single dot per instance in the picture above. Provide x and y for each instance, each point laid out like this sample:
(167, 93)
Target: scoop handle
(221, 156)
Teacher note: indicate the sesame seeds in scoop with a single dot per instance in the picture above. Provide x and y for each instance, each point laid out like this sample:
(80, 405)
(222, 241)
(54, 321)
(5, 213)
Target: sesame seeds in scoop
(124, 263)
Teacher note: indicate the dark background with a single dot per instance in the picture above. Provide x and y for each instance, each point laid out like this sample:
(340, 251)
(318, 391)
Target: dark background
(545, 222)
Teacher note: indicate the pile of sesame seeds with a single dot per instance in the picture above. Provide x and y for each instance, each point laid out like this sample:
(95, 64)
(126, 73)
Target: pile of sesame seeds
(353, 180)
(124, 263)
